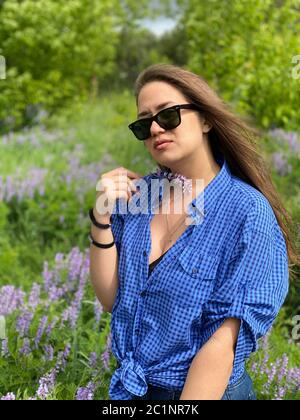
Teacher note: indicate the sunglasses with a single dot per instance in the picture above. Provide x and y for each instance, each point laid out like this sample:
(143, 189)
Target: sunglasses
(168, 119)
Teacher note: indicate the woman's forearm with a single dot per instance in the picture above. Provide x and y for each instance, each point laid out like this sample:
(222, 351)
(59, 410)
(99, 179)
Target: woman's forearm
(104, 267)
(210, 371)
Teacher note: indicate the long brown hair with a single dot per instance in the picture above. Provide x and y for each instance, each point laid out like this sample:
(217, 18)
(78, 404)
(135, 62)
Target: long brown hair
(231, 135)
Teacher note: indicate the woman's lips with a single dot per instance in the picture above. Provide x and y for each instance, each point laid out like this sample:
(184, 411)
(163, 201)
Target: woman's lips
(163, 145)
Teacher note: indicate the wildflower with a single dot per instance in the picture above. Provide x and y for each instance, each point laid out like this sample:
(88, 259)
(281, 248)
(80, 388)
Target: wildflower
(281, 165)
(98, 310)
(4, 348)
(34, 297)
(86, 393)
(25, 350)
(40, 330)
(23, 322)
(49, 352)
(11, 299)
(93, 360)
(8, 397)
(51, 326)
(177, 177)
(46, 385)
(106, 354)
(290, 137)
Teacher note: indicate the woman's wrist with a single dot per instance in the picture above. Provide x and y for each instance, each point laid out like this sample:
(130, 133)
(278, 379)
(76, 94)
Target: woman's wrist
(102, 218)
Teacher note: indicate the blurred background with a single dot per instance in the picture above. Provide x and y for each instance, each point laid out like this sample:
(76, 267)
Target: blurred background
(67, 71)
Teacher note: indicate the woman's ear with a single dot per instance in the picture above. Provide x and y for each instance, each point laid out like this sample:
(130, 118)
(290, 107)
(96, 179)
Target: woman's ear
(206, 126)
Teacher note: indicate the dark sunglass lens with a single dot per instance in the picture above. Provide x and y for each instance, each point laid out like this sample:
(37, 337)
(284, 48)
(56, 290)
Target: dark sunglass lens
(141, 130)
(169, 118)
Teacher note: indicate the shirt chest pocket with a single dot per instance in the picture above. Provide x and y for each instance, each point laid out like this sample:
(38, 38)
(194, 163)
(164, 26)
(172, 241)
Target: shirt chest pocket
(196, 276)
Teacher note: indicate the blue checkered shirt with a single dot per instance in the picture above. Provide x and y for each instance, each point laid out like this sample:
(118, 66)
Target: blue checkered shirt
(232, 262)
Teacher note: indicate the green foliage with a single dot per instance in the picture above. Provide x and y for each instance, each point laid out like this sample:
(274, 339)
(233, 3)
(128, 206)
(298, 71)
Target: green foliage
(54, 50)
(174, 45)
(142, 49)
(58, 51)
(245, 50)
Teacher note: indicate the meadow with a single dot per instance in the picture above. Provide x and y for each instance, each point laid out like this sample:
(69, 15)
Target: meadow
(54, 336)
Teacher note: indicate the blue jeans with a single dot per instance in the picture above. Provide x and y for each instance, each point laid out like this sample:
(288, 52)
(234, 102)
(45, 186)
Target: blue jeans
(241, 390)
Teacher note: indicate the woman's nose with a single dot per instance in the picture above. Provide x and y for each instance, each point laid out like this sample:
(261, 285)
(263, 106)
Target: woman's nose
(156, 128)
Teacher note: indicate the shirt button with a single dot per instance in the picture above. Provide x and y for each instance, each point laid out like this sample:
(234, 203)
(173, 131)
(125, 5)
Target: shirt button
(195, 270)
(144, 253)
(143, 293)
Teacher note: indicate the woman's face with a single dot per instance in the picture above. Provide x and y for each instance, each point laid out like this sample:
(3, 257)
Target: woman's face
(186, 139)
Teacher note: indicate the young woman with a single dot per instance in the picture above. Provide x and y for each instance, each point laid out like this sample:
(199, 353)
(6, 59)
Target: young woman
(189, 301)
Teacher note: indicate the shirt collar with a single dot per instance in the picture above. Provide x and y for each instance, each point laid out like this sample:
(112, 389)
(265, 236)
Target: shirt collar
(206, 200)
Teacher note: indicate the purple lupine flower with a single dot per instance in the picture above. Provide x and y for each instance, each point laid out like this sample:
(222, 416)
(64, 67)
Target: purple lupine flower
(254, 367)
(40, 331)
(23, 322)
(86, 393)
(70, 315)
(34, 297)
(265, 341)
(62, 358)
(48, 276)
(22, 187)
(93, 360)
(55, 293)
(106, 354)
(25, 350)
(98, 310)
(74, 263)
(51, 325)
(81, 177)
(265, 362)
(49, 352)
(34, 136)
(72, 312)
(290, 137)
(11, 299)
(280, 393)
(46, 385)
(4, 348)
(8, 397)
(294, 378)
(280, 163)
(59, 261)
(271, 373)
(284, 368)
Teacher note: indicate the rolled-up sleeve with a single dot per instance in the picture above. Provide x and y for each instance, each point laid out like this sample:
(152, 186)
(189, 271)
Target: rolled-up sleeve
(253, 289)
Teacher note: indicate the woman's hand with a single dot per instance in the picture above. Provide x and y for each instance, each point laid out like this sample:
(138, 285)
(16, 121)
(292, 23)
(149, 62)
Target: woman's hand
(112, 185)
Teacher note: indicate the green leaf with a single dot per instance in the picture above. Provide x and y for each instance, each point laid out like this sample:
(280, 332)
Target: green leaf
(2, 328)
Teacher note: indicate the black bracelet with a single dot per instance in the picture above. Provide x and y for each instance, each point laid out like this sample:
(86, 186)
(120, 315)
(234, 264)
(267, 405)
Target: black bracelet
(97, 224)
(98, 245)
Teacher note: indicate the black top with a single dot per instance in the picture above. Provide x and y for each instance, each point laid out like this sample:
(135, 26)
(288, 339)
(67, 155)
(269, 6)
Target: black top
(155, 262)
